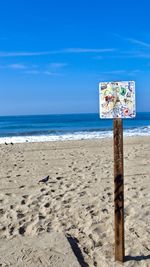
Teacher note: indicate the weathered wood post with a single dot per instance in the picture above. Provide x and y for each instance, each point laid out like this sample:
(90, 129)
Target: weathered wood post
(117, 102)
(119, 190)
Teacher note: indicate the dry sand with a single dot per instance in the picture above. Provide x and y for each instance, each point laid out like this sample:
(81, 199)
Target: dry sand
(78, 198)
(47, 249)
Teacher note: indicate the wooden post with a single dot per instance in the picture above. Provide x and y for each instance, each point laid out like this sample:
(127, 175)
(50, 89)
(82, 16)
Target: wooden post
(119, 190)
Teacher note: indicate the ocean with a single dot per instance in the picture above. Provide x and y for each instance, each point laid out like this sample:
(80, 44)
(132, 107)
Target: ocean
(41, 128)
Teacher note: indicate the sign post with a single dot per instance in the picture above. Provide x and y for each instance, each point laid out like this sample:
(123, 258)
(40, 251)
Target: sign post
(117, 101)
(119, 190)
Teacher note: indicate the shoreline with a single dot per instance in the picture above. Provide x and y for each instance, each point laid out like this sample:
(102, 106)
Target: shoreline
(68, 137)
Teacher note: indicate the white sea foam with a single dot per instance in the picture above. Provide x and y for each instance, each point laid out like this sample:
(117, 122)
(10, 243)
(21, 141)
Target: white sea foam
(144, 131)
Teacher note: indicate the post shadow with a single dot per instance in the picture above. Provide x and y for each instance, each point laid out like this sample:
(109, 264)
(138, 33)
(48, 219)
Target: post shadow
(137, 258)
(74, 245)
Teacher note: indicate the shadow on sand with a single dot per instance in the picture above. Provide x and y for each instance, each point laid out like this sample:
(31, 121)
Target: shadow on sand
(137, 258)
(74, 245)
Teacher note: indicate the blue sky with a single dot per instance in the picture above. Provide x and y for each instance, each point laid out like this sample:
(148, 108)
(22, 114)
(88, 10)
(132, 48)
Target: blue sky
(53, 53)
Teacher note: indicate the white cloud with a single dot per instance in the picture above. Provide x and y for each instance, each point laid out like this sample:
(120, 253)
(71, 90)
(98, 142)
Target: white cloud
(22, 54)
(17, 66)
(134, 72)
(49, 73)
(61, 51)
(111, 72)
(57, 65)
(133, 54)
(133, 41)
(88, 50)
(138, 42)
(122, 72)
(32, 72)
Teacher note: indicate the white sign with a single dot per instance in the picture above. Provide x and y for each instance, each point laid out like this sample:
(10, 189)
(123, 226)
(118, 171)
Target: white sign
(117, 99)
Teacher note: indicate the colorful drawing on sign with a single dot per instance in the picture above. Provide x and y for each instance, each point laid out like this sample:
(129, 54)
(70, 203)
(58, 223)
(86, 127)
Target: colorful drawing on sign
(117, 99)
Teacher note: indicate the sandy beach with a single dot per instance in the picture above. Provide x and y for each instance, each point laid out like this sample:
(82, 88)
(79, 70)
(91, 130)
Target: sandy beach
(77, 200)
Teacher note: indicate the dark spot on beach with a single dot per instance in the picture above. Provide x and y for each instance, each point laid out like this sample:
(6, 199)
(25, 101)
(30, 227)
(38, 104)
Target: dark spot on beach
(72, 189)
(23, 202)
(59, 178)
(95, 263)
(22, 230)
(22, 186)
(41, 217)
(104, 210)
(25, 196)
(2, 212)
(43, 189)
(82, 193)
(20, 215)
(47, 205)
(41, 229)
(65, 202)
(8, 194)
(11, 230)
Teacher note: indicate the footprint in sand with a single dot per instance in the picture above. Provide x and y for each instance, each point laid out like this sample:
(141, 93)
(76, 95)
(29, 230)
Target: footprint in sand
(59, 178)
(22, 230)
(41, 217)
(86, 186)
(11, 230)
(47, 205)
(25, 196)
(23, 202)
(20, 215)
(22, 186)
(43, 189)
(82, 194)
(105, 211)
(2, 212)
(2, 228)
